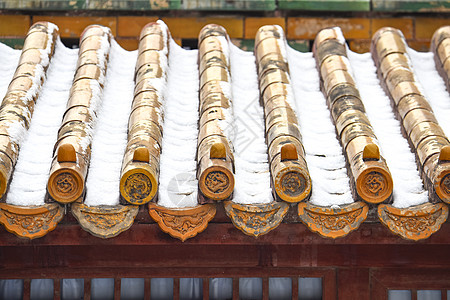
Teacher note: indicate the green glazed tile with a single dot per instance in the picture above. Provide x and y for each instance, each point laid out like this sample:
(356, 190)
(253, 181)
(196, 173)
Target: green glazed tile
(13, 43)
(300, 45)
(328, 5)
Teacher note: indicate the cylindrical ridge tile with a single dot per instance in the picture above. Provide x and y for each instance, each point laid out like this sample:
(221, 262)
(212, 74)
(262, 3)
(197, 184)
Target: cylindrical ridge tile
(139, 178)
(290, 177)
(18, 103)
(426, 137)
(440, 46)
(370, 174)
(72, 152)
(215, 160)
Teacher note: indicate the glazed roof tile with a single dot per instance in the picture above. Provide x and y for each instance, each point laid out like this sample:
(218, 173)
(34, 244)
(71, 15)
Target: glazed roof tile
(331, 134)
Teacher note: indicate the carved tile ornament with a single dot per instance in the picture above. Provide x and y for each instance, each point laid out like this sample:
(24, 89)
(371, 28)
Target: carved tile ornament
(256, 219)
(30, 222)
(217, 182)
(416, 222)
(138, 186)
(105, 221)
(182, 223)
(333, 222)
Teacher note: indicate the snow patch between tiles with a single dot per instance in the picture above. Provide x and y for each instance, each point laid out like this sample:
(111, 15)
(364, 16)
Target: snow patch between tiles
(29, 182)
(9, 59)
(110, 131)
(177, 180)
(408, 186)
(252, 177)
(433, 86)
(326, 162)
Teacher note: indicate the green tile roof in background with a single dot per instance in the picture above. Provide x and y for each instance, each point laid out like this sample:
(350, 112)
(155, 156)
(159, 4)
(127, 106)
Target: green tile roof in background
(249, 5)
(43, 4)
(320, 5)
(91, 4)
(133, 4)
(13, 42)
(228, 5)
(411, 5)
(256, 5)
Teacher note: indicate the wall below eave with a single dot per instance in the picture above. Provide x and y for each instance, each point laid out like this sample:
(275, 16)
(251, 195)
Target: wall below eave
(301, 27)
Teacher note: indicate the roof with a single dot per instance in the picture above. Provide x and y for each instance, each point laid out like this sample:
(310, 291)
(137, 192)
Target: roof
(243, 5)
(334, 136)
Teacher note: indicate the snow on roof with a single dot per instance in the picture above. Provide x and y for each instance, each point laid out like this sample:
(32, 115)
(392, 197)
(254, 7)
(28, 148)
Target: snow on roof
(244, 124)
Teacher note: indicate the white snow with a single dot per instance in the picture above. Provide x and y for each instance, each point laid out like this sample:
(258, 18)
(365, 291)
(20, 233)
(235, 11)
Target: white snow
(326, 163)
(110, 131)
(340, 35)
(17, 131)
(177, 181)
(45, 53)
(105, 47)
(38, 78)
(29, 181)
(281, 41)
(244, 127)
(9, 58)
(252, 178)
(96, 100)
(225, 47)
(433, 86)
(408, 187)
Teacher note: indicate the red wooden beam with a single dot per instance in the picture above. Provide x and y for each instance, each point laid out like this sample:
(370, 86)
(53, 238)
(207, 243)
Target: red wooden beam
(243, 256)
(412, 278)
(222, 234)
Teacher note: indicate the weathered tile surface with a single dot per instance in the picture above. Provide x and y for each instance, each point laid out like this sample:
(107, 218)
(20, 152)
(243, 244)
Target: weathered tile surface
(178, 28)
(425, 27)
(307, 28)
(403, 24)
(253, 24)
(72, 27)
(14, 25)
(131, 26)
